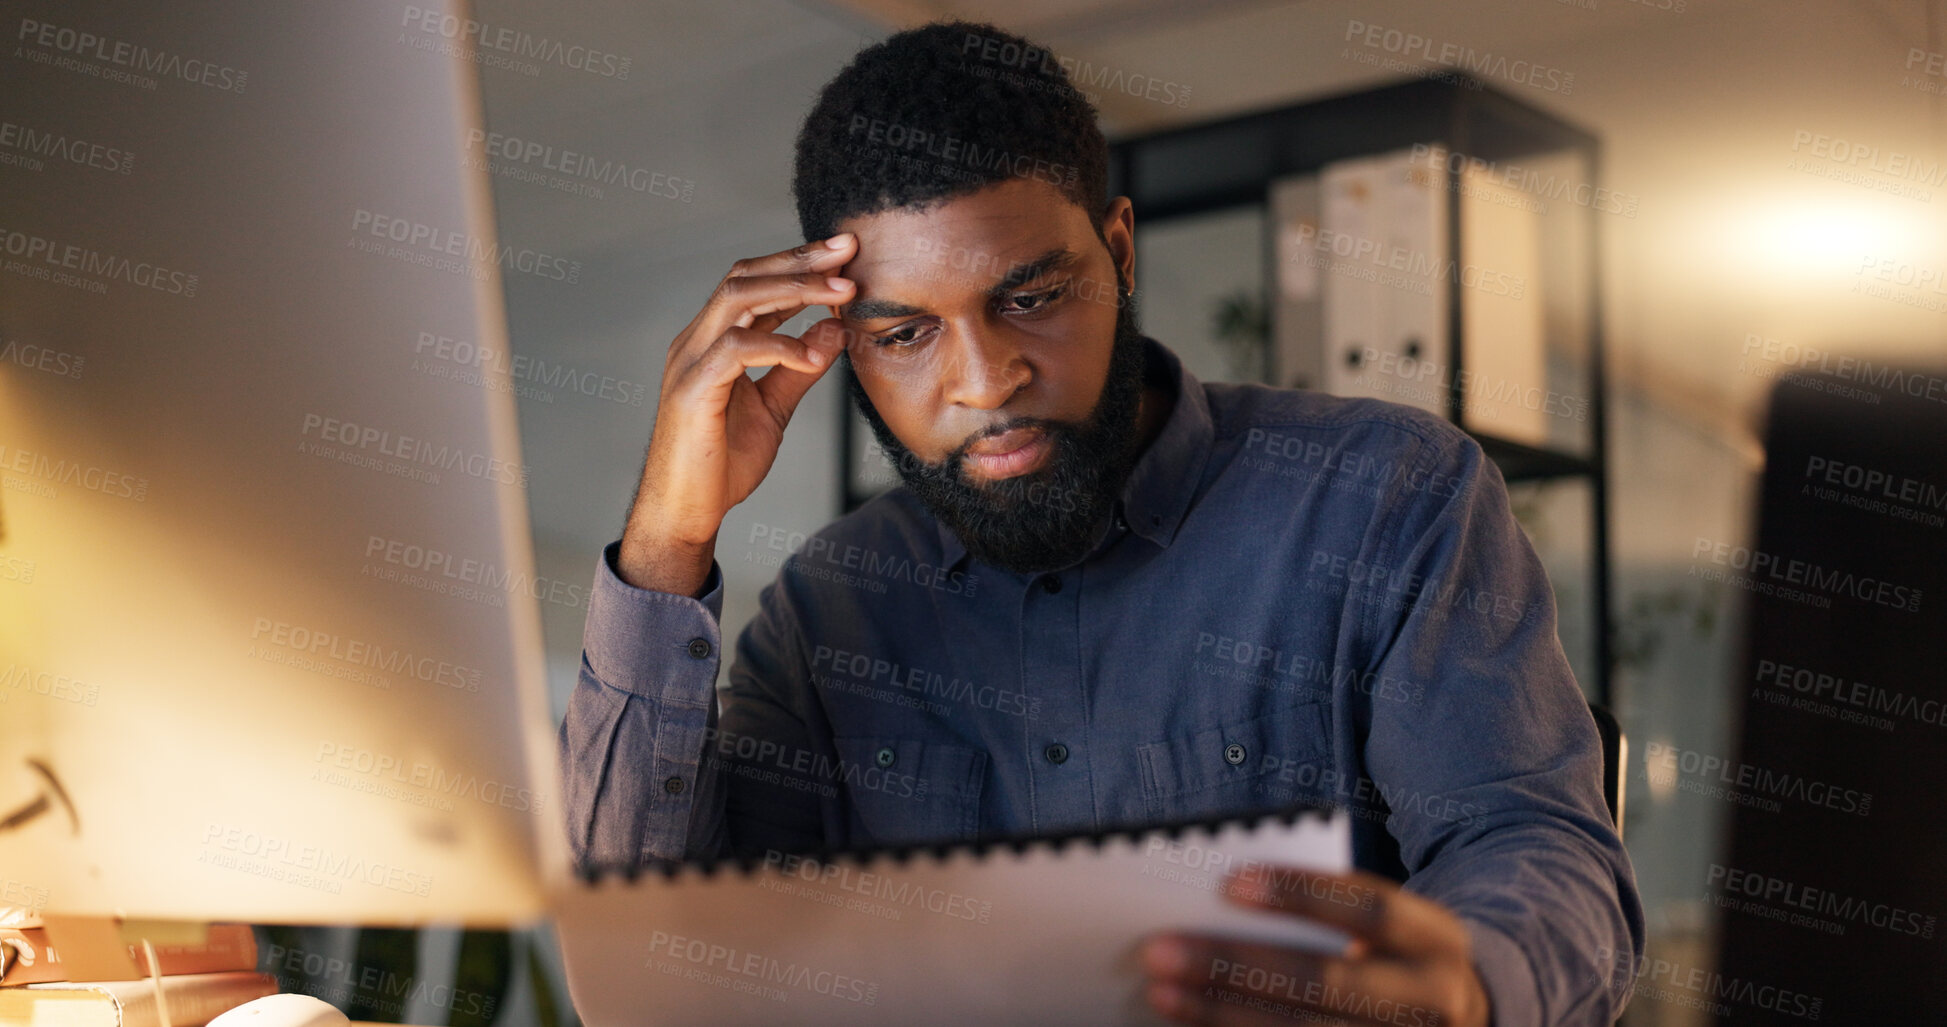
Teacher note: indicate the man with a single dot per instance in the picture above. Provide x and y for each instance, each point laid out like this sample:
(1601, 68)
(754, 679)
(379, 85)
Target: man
(1106, 593)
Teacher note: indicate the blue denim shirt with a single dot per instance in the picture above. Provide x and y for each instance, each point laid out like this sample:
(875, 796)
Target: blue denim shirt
(1300, 597)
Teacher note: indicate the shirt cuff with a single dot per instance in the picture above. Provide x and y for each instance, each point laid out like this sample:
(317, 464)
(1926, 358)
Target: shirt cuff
(658, 645)
(1507, 976)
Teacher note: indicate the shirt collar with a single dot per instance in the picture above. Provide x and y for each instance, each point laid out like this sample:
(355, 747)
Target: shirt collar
(1160, 486)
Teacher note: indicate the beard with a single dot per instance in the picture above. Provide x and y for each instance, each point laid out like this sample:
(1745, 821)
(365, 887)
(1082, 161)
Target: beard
(1050, 517)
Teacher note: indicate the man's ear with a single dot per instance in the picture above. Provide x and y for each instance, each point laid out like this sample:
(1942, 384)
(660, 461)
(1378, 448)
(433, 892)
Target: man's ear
(1121, 214)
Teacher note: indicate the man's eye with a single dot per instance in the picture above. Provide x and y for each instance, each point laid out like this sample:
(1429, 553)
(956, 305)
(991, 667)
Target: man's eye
(1046, 298)
(898, 338)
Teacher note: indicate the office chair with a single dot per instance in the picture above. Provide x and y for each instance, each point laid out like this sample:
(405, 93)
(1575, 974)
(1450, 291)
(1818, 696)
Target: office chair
(1615, 761)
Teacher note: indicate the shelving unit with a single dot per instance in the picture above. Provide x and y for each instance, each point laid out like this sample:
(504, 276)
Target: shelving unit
(1224, 165)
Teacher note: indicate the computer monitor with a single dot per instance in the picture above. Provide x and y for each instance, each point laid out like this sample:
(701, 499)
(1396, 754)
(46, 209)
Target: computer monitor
(1829, 890)
(269, 640)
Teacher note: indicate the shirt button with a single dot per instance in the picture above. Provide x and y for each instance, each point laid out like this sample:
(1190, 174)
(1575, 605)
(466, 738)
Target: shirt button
(699, 647)
(1051, 584)
(673, 786)
(886, 756)
(1057, 753)
(1233, 754)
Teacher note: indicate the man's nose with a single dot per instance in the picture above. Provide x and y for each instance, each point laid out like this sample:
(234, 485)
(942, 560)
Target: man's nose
(986, 369)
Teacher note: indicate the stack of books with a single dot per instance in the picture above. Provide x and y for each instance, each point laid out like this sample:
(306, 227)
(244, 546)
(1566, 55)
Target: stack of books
(199, 982)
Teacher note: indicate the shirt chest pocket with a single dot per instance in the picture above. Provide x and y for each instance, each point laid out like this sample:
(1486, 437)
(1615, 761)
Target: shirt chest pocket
(905, 791)
(1240, 766)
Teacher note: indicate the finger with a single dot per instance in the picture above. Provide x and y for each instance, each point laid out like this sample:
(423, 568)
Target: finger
(1243, 976)
(784, 385)
(816, 255)
(742, 301)
(810, 262)
(718, 367)
(1275, 971)
(771, 322)
(1228, 1009)
(718, 313)
(1365, 905)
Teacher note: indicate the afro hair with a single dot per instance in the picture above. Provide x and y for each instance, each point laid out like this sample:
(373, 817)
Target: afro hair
(941, 111)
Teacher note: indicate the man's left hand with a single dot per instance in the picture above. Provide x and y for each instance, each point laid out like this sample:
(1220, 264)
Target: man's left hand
(1409, 963)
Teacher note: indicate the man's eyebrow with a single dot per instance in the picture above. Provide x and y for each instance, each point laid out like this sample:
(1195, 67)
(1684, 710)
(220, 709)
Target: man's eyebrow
(868, 309)
(1053, 260)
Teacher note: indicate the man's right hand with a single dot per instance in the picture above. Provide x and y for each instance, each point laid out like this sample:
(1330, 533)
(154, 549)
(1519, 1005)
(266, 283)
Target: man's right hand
(718, 430)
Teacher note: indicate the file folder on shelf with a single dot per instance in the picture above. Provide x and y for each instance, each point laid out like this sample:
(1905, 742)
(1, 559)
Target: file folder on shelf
(1366, 278)
(1385, 310)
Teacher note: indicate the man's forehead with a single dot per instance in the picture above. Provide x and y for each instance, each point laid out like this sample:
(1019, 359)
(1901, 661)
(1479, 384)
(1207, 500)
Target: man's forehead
(1005, 214)
(998, 214)
(985, 229)
(898, 283)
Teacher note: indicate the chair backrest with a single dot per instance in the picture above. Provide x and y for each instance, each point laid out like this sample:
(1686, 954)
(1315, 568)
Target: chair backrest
(1615, 761)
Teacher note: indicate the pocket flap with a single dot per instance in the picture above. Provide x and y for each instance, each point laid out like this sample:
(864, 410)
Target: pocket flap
(912, 790)
(1236, 752)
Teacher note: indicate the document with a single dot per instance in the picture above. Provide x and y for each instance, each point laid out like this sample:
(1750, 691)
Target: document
(1042, 935)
